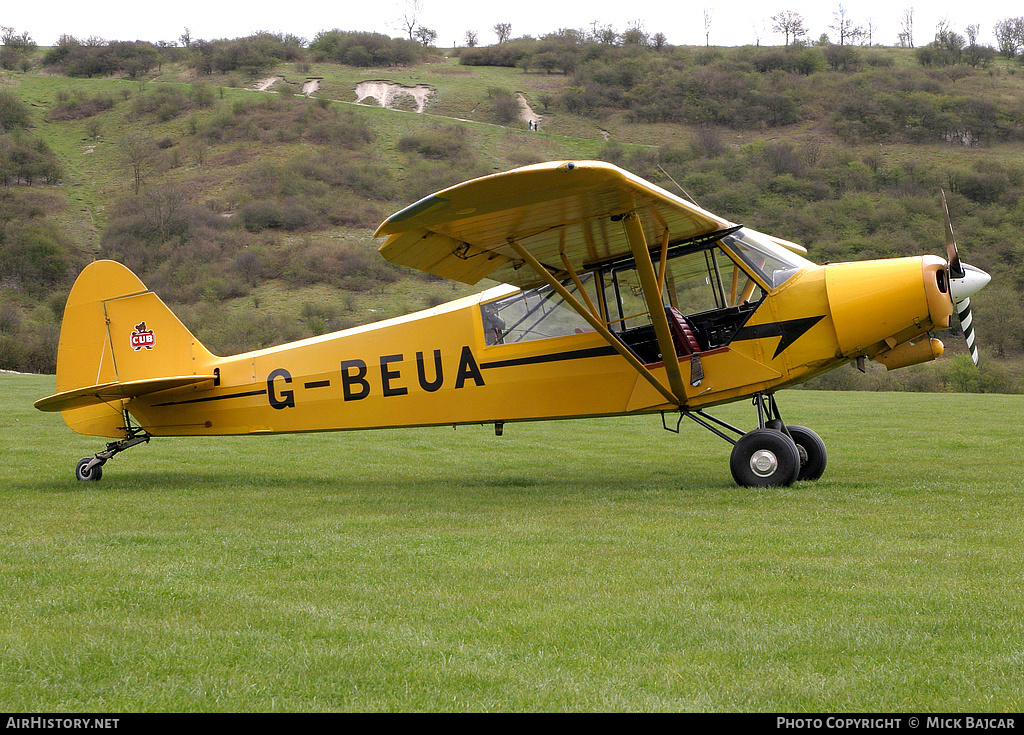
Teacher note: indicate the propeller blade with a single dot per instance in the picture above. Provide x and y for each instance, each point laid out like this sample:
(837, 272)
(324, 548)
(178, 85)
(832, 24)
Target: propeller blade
(953, 264)
(961, 289)
(963, 310)
(964, 281)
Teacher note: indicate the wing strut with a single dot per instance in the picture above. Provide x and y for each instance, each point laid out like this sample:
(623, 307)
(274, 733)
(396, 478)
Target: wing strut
(595, 322)
(652, 294)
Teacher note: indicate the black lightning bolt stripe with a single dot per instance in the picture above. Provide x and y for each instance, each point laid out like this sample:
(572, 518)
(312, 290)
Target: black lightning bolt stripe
(212, 398)
(553, 357)
(790, 331)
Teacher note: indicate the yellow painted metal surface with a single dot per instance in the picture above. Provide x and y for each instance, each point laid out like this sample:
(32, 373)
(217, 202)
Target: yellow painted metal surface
(911, 352)
(874, 300)
(551, 208)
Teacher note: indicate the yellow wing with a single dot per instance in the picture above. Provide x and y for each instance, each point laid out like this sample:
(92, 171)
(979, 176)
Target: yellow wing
(551, 209)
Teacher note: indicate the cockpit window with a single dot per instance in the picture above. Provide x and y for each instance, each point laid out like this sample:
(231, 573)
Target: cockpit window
(772, 262)
(713, 285)
(695, 281)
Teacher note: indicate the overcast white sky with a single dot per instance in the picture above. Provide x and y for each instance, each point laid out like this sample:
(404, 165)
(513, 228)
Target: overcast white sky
(733, 22)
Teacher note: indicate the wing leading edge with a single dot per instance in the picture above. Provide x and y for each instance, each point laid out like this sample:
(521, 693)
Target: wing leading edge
(561, 212)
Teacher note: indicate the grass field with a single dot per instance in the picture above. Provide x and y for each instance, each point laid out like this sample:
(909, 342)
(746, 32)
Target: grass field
(591, 565)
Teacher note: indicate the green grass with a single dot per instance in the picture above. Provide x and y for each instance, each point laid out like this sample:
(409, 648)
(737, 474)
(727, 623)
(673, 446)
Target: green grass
(590, 565)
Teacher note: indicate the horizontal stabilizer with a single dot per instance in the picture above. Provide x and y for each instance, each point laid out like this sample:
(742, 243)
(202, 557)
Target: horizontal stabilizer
(106, 392)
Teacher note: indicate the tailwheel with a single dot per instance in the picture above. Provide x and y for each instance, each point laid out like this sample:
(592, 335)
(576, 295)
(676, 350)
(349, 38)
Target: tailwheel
(813, 456)
(91, 468)
(88, 468)
(765, 457)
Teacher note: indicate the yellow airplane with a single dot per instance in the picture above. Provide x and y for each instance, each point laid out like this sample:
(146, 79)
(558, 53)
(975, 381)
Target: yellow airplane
(618, 298)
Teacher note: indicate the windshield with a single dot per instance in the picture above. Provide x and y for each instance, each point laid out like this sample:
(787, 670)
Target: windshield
(774, 263)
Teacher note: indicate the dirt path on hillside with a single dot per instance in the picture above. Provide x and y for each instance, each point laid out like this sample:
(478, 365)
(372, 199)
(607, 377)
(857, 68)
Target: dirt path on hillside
(311, 85)
(526, 113)
(264, 84)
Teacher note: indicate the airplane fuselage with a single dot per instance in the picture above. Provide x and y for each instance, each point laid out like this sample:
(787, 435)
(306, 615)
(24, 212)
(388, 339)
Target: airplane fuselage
(435, 367)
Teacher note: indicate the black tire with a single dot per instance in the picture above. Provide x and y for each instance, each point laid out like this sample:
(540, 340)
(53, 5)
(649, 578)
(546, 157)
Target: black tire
(813, 456)
(764, 457)
(84, 473)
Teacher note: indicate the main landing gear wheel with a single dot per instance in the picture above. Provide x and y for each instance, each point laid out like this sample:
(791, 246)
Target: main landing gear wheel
(84, 472)
(765, 457)
(774, 454)
(813, 456)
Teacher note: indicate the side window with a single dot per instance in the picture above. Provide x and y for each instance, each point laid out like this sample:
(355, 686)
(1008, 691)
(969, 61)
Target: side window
(710, 291)
(695, 282)
(692, 283)
(539, 313)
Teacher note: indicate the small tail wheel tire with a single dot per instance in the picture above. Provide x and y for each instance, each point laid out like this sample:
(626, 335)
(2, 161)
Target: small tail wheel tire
(84, 472)
(764, 457)
(813, 456)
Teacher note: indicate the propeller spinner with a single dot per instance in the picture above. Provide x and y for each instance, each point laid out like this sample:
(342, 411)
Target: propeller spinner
(964, 281)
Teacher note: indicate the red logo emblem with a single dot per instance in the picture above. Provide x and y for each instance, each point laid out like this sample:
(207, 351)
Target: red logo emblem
(142, 338)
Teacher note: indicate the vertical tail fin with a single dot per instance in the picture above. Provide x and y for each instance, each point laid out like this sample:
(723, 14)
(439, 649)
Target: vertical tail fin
(118, 340)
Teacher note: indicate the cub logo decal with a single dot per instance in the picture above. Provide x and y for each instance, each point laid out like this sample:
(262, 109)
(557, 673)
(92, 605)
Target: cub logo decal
(142, 338)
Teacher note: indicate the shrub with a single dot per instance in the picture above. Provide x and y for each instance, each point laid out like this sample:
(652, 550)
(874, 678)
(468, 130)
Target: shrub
(440, 144)
(74, 59)
(503, 54)
(27, 160)
(13, 112)
(364, 49)
(250, 54)
(504, 105)
(80, 107)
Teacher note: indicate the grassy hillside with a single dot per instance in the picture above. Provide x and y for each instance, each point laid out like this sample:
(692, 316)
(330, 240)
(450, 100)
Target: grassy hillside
(252, 211)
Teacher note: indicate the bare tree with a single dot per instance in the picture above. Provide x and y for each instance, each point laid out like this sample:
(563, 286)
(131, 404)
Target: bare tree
(603, 34)
(1010, 36)
(869, 31)
(410, 17)
(138, 154)
(708, 13)
(906, 35)
(21, 41)
(759, 29)
(471, 38)
(790, 24)
(972, 32)
(845, 28)
(503, 31)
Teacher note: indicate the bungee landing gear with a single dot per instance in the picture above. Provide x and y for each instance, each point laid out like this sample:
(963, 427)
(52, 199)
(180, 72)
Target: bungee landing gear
(771, 454)
(91, 468)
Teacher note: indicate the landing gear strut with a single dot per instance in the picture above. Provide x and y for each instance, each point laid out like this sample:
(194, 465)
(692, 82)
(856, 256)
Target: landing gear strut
(91, 468)
(773, 453)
